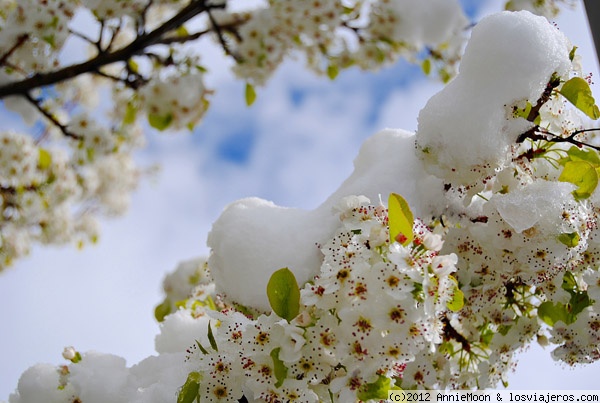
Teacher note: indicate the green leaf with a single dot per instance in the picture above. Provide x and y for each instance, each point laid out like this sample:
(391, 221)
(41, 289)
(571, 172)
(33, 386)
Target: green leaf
(284, 294)
(162, 310)
(572, 53)
(377, 390)
(181, 31)
(211, 338)
(160, 122)
(189, 392)
(50, 40)
(583, 175)
(133, 66)
(332, 71)
(569, 282)
(457, 301)
(551, 313)
(201, 347)
(400, 220)
(578, 92)
(130, 113)
(279, 368)
(571, 239)
(579, 154)
(426, 66)
(250, 94)
(44, 159)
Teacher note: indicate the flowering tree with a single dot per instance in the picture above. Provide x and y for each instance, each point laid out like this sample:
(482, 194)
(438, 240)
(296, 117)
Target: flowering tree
(78, 164)
(487, 242)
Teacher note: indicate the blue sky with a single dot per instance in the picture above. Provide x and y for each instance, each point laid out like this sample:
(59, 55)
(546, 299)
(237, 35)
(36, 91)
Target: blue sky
(294, 146)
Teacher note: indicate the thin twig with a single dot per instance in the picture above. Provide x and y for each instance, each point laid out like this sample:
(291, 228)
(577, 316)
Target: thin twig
(20, 41)
(37, 104)
(221, 38)
(539, 133)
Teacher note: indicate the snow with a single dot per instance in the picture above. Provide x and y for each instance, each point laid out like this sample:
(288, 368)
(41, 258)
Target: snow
(253, 237)
(427, 22)
(545, 200)
(465, 130)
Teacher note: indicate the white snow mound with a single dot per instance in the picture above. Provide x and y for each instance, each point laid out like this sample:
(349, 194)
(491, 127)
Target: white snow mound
(465, 130)
(253, 237)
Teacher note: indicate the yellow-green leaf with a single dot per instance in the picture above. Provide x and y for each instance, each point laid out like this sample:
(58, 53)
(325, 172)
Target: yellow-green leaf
(250, 94)
(44, 159)
(572, 53)
(457, 301)
(211, 338)
(583, 175)
(189, 392)
(160, 122)
(569, 239)
(181, 31)
(426, 66)
(582, 154)
(284, 294)
(332, 71)
(279, 368)
(377, 390)
(162, 310)
(578, 92)
(130, 113)
(400, 220)
(133, 66)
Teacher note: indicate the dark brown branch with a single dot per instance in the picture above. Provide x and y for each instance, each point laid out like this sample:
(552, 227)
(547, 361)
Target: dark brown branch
(143, 41)
(222, 41)
(538, 133)
(20, 41)
(535, 110)
(63, 128)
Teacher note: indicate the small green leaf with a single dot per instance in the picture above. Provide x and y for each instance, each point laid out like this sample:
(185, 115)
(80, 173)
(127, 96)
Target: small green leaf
(377, 390)
(571, 240)
(400, 220)
(569, 282)
(44, 159)
(583, 175)
(572, 53)
(457, 301)
(49, 39)
(250, 94)
(160, 122)
(279, 368)
(211, 338)
(578, 92)
(189, 392)
(284, 294)
(332, 71)
(201, 347)
(162, 310)
(130, 113)
(181, 31)
(133, 66)
(579, 154)
(426, 66)
(551, 313)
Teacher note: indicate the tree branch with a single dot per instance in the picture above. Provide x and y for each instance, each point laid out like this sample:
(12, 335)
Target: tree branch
(38, 80)
(539, 133)
(20, 40)
(36, 103)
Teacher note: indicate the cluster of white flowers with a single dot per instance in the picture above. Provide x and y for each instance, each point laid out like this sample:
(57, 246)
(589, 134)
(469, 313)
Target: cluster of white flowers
(336, 35)
(506, 251)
